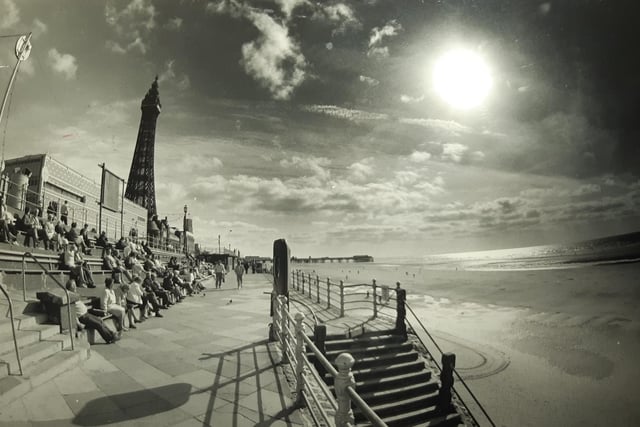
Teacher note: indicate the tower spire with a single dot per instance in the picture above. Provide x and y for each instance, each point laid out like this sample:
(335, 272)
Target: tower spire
(141, 183)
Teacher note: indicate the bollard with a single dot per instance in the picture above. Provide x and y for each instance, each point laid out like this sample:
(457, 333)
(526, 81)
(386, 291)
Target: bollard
(328, 294)
(299, 356)
(283, 327)
(401, 312)
(344, 414)
(446, 382)
(375, 302)
(318, 289)
(341, 298)
(319, 339)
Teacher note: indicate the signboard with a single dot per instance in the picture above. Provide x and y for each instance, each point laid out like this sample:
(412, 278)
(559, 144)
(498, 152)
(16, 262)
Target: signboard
(110, 194)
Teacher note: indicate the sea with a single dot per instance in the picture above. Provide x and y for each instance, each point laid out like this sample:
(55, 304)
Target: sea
(619, 249)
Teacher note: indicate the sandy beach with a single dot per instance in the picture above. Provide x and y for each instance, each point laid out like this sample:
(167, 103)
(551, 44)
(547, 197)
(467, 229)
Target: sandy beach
(538, 347)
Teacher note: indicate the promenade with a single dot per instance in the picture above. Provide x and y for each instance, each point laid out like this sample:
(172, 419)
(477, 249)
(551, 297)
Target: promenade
(206, 363)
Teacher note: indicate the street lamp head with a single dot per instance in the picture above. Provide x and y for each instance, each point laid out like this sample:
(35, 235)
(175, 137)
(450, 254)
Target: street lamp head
(185, 209)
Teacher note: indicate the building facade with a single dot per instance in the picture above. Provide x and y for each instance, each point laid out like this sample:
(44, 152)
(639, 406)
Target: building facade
(37, 180)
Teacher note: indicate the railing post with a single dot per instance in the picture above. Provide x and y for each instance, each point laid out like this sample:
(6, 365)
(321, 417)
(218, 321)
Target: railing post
(341, 298)
(24, 277)
(328, 293)
(299, 355)
(302, 284)
(344, 414)
(319, 339)
(401, 312)
(375, 300)
(446, 382)
(275, 324)
(283, 327)
(309, 276)
(318, 289)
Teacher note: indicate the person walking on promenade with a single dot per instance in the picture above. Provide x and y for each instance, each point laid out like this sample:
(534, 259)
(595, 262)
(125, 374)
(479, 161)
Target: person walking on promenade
(220, 272)
(246, 266)
(239, 272)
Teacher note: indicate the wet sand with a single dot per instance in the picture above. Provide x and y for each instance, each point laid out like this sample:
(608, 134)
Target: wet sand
(538, 347)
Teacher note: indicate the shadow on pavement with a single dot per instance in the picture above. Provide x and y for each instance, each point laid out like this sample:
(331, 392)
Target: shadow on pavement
(136, 404)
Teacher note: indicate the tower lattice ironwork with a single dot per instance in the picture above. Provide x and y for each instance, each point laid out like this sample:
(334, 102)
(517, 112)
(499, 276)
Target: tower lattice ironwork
(141, 187)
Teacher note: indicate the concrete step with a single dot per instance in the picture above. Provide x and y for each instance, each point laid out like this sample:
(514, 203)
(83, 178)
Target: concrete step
(33, 353)
(25, 336)
(378, 397)
(14, 386)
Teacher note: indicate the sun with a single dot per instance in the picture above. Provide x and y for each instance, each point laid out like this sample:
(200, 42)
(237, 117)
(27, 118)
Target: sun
(462, 78)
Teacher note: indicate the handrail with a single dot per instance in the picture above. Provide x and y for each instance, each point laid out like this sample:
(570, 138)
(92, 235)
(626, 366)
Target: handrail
(331, 370)
(66, 292)
(308, 307)
(13, 327)
(454, 370)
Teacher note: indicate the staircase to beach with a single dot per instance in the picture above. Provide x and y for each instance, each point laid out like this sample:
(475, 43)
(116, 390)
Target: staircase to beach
(393, 379)
(45, 352)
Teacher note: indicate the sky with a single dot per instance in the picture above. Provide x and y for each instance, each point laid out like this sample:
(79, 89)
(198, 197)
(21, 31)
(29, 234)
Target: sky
(319, 122)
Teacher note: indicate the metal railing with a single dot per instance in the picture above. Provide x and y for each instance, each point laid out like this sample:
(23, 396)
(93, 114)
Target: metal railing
(369, 296)
(48, 273)
(460, 379)
(293, 342)
(13, 327)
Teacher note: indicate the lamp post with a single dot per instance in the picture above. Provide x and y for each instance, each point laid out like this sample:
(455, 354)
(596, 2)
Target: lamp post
(184, 231)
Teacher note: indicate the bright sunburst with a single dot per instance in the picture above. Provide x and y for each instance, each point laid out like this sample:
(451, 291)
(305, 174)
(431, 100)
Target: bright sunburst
(462, 79)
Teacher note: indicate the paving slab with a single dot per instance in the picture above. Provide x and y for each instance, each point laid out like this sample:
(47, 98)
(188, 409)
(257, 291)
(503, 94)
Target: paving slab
(206, 362)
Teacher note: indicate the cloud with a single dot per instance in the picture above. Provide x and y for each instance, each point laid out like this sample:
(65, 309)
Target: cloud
(63, 63)
(340, 14)
(287, 6)
(419, 156)
(274, 59)
(447, 125)
(378, 34)
(317, 165)
(9, 14)
(174, 24)
(343, 113)
(369, 80)
(39, 28)
(453, 151)
(361, 170)
(114, 47)
(131, 24)
(406, 99)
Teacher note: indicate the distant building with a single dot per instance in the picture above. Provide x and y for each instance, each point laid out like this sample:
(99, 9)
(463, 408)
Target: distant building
(51, 181)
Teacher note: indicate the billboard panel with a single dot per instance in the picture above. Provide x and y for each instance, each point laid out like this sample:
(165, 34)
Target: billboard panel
(110, 191)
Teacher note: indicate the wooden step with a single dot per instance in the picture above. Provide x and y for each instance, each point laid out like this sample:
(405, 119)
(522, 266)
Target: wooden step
(380, 372)
(378, 397)
(428, 416)
(401, 406)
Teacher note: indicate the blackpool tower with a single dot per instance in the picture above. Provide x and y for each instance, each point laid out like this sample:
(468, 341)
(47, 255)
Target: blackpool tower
(141, 187)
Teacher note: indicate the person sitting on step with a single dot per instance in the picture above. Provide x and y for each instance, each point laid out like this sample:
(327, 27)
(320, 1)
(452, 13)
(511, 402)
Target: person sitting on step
(88, 320)
(110, 304)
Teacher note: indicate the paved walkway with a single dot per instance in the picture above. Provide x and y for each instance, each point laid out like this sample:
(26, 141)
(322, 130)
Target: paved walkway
(206, 363)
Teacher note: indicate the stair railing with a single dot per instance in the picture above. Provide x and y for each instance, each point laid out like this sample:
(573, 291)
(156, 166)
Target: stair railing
(13, 327)
(419, 323)
(293, 342)
(48, 273)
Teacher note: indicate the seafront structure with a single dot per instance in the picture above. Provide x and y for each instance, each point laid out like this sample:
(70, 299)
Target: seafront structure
(40, 181)
(355, 258)
(141, 183)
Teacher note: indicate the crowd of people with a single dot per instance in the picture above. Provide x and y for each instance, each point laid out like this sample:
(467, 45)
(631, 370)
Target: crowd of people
(139, 281)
